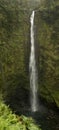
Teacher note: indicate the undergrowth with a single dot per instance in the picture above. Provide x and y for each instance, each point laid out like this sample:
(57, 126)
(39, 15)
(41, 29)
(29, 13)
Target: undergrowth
(10, 121)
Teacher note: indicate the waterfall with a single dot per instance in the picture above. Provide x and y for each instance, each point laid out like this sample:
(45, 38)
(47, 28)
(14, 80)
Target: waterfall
(33, 69)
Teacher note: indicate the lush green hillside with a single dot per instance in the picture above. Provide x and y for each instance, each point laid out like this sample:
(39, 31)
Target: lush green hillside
(47, 36)
(14, 52)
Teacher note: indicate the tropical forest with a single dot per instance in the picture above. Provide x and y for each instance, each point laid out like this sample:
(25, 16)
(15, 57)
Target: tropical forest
(29, 64)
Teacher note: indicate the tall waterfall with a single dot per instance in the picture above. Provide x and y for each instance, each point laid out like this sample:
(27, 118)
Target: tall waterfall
(33, 69)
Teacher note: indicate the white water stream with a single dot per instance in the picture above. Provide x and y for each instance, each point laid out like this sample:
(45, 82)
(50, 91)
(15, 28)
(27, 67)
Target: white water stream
(33, 69)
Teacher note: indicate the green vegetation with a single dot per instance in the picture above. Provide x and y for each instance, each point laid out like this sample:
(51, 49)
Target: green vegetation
(10, 121)
(15, 48)
(47, 33)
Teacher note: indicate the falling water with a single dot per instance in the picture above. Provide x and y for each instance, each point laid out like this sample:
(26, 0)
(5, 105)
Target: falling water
(33, 69)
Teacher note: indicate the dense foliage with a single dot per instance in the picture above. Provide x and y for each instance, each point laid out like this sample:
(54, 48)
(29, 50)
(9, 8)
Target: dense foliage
(47, 33)
(14, 35)
(9, 121)
(15, 48)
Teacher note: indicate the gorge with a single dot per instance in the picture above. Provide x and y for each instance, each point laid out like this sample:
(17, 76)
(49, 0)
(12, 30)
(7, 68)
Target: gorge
(20, 27)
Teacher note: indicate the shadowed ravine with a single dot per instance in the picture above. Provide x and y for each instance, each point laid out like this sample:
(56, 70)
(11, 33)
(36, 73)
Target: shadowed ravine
(46, 118)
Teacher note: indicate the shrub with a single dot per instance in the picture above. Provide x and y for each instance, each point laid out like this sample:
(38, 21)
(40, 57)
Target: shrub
(10, 121)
